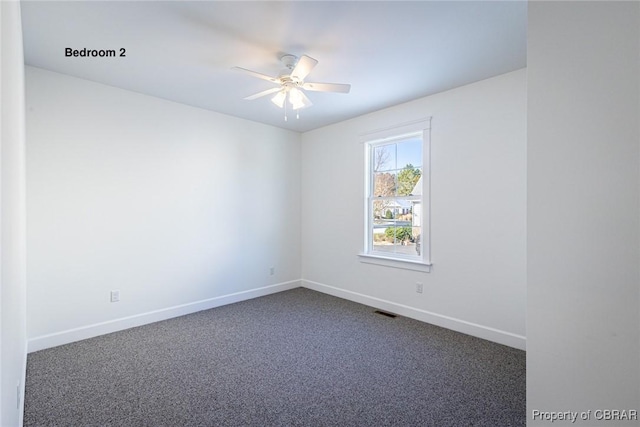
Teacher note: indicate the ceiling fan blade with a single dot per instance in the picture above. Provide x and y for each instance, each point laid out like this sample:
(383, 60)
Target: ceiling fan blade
(258, 75)
(327, 87)
(263, 93)
(303, 67)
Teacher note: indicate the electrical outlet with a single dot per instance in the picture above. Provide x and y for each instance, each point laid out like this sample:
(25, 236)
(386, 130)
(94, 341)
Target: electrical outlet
(419, 287)
(272, 271)
(115, 296)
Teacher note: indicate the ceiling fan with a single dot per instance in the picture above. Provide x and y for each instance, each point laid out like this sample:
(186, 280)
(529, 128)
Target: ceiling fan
(291, 83)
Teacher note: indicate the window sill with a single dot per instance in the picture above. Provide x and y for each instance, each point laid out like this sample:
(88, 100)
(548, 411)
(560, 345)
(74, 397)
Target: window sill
(405, 264)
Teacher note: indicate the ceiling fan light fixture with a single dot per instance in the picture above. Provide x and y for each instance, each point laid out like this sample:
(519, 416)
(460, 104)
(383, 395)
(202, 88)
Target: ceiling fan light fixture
(295, 98)
(279, 98)
(297, 105)
(298, 99)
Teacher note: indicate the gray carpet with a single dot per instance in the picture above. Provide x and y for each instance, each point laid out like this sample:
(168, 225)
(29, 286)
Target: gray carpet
(296, 358)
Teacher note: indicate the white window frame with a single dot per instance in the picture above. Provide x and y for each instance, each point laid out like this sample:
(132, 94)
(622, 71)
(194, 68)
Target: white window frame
(384, 136)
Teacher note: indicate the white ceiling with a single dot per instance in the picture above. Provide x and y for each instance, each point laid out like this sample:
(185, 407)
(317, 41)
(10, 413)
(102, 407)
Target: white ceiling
(390, 52)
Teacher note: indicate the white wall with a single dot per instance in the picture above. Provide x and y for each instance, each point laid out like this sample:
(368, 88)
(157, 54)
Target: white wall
(172, 205)
(478, 212)
(583, 213)
(12, 198)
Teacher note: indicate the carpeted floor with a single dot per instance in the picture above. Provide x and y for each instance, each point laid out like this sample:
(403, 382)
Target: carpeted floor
(296, 358)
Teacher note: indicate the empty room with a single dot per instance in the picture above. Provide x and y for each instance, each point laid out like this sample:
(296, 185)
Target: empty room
(268, 213)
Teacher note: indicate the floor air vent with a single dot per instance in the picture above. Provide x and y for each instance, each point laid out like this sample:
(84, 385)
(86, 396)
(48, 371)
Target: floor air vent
(384, 313)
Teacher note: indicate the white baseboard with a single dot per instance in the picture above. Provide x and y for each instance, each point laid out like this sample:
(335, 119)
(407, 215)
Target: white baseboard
(469, 328)
(90, 331)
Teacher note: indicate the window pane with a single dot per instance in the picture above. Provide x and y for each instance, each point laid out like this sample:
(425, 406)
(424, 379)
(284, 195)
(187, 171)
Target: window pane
(381, 242)
(384, 158)
(409, 152)
(384, 184)
(416, 217)
(394, 238)
(378, 211)
(407, 179)
(417, 240)
(385, 239)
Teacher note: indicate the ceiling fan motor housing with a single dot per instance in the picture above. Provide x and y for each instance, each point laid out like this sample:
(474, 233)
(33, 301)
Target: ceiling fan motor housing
(289, 61)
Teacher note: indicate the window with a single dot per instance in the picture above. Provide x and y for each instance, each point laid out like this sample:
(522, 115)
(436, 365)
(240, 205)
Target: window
(397, 196)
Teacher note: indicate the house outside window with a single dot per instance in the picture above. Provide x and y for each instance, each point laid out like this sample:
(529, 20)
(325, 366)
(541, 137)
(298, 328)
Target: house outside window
(397, 196)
